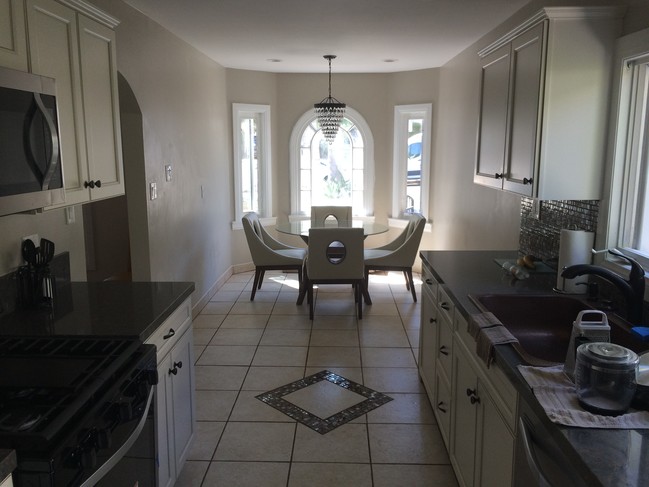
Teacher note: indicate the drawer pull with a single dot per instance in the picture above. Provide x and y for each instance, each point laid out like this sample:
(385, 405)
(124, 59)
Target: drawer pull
(429, 282)
(470, 392)
(443, 350)
(178, 364)
(433, 320)
(445, 306)
(171, 333)
(475, 400)
(441, 406)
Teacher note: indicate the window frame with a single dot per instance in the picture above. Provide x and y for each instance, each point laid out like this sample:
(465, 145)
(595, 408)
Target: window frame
(623, 153)
(403, 113)
(368, 162)
(239, 112)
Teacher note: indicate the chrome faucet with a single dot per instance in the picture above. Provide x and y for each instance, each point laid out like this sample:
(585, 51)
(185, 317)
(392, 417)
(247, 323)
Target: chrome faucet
(632, 289)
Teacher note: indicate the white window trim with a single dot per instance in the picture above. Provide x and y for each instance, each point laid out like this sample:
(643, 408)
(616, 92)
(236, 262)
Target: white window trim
(611, 226)
(368, 161)
(400, 166)
(240, 110)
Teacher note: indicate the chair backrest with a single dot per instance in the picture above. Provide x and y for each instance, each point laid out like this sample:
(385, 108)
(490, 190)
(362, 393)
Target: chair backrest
(320, 213)
(404, 247)
(260, 252)
(335, 253)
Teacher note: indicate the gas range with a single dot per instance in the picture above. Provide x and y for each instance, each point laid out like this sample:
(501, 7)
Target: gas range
(67, 404)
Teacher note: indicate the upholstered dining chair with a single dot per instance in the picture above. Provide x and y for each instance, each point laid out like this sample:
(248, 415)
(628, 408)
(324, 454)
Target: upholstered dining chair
(398, 255)
(320, 213)
(335, 257)
(268, 253)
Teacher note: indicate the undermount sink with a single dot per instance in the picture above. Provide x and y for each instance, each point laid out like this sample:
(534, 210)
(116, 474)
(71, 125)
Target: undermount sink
(543, 323)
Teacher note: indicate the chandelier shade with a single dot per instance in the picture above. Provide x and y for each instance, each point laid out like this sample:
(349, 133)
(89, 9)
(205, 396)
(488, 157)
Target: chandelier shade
(329, 111)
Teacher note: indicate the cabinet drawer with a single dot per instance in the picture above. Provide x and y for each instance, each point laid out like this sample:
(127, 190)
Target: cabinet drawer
(445, 347)
(446, 306)
(171, 330)
(429, 284)
(442, 407)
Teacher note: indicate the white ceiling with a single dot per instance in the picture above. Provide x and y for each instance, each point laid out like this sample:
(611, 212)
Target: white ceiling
(248, 34)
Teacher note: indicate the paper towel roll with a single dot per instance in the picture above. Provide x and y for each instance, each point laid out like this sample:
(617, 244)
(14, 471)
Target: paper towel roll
(574, 248)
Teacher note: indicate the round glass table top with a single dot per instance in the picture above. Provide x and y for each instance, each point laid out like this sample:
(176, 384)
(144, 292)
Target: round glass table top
(302, 227)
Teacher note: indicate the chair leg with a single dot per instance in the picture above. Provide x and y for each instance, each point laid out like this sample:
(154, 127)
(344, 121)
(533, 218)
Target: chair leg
(302, 286)
(310, 300)
(405, 274)
(412, 284)
(261, 278)
(366, 287)
(255, 281)
(360, 292)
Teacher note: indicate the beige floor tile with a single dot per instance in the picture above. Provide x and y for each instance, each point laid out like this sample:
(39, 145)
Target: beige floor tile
(375, 322)
(206, 438)
(241, 277)
(335, 322)
(208, 321)
(380, 337)
(381, 309)
(387, 357)
(350, 373)
(404, 408)
(237, 336)
(413, 338)
(291, 338)
(268, 378)
(226, 296)
(233, 286)
(288, 295)
(334, 338)
(414, 476)
(347, 443)
(227, 355)
(407, 443)
(202, 336)
(249, 408)
(259, 442)
(290, 308)
(335, 307)
(216, 308)
(412, 322)
(219, 377)
(214, 405)
(280, 356)
(252, 308)
(324, 399)
(245, 321)
(247, 474)
(198, 351)
(260, 297)
(192, 474)
(334, 357)
(393, 380)
(283, 321)
(381, 295)
(330, 474)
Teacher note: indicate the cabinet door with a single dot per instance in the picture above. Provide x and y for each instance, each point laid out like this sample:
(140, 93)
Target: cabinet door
(13, 39)
(183, 396)
(166, 474)
(465, 413)
(53, 44)
(101, 108)
(492, 129)
(428, 345)
(524, 137)
(495, 446)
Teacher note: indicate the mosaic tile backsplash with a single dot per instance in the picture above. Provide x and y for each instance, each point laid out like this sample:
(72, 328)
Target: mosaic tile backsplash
(540, 237)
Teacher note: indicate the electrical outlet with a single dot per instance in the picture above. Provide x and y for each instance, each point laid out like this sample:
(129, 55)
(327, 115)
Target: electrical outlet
(34, 238)
(168, 172)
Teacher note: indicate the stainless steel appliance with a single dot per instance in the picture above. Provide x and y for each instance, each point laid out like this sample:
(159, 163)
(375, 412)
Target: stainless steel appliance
(74, 409)
(31, 174)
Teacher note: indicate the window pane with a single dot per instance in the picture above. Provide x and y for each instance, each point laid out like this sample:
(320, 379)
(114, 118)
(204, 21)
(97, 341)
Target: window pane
(249, 165)
(305, 180)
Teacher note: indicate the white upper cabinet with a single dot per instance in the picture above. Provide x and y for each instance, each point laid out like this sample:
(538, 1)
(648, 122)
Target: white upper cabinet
(74, 43)
(13, 43)
(544, 100)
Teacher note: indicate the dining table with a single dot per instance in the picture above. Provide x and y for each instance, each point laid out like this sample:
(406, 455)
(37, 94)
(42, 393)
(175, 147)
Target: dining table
(301, 228)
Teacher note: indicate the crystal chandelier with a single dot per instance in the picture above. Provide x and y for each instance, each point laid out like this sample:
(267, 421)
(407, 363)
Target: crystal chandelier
(329, 111)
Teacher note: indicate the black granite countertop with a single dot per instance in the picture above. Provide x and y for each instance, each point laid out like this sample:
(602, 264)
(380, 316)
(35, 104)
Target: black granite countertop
(112, 308)
(611, 458)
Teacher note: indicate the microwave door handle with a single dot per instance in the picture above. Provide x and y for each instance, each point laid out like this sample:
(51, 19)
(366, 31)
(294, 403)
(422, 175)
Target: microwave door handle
(54, 154)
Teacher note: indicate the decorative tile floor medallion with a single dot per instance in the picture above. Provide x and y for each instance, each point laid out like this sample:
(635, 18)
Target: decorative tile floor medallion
(275, 398)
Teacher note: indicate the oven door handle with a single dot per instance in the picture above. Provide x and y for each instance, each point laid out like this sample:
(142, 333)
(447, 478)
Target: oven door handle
(119, 454)
(532, 461)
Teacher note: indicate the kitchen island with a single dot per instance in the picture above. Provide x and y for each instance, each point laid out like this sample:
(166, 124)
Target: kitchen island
(603, 457)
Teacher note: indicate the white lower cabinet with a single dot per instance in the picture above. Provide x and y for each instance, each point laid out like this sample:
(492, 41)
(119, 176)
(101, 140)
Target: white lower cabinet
(175, 403)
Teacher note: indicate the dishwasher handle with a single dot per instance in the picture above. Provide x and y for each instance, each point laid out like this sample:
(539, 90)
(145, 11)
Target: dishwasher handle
(530, 455)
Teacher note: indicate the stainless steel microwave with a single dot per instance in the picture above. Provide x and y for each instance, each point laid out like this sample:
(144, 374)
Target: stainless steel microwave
(31, 173)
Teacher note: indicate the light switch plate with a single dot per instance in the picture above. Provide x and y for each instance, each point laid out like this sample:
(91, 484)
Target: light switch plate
(168, 172)
(153, 191)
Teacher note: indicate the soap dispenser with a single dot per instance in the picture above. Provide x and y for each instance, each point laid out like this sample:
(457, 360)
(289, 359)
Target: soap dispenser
(586, 329)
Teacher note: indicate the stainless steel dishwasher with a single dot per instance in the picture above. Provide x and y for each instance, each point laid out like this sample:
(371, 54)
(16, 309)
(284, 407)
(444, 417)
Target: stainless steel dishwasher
(538, 460)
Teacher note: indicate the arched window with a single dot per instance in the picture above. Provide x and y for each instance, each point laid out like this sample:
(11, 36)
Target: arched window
(338, 174)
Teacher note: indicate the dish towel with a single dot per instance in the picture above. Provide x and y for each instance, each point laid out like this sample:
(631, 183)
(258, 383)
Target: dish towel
(556, 393)
(488, 331)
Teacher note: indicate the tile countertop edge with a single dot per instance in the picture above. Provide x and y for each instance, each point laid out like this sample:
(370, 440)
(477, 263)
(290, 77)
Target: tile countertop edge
(7, 463)
(595, 453)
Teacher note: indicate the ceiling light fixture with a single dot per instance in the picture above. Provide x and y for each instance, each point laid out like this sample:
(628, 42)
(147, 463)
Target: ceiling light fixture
(329, 111)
